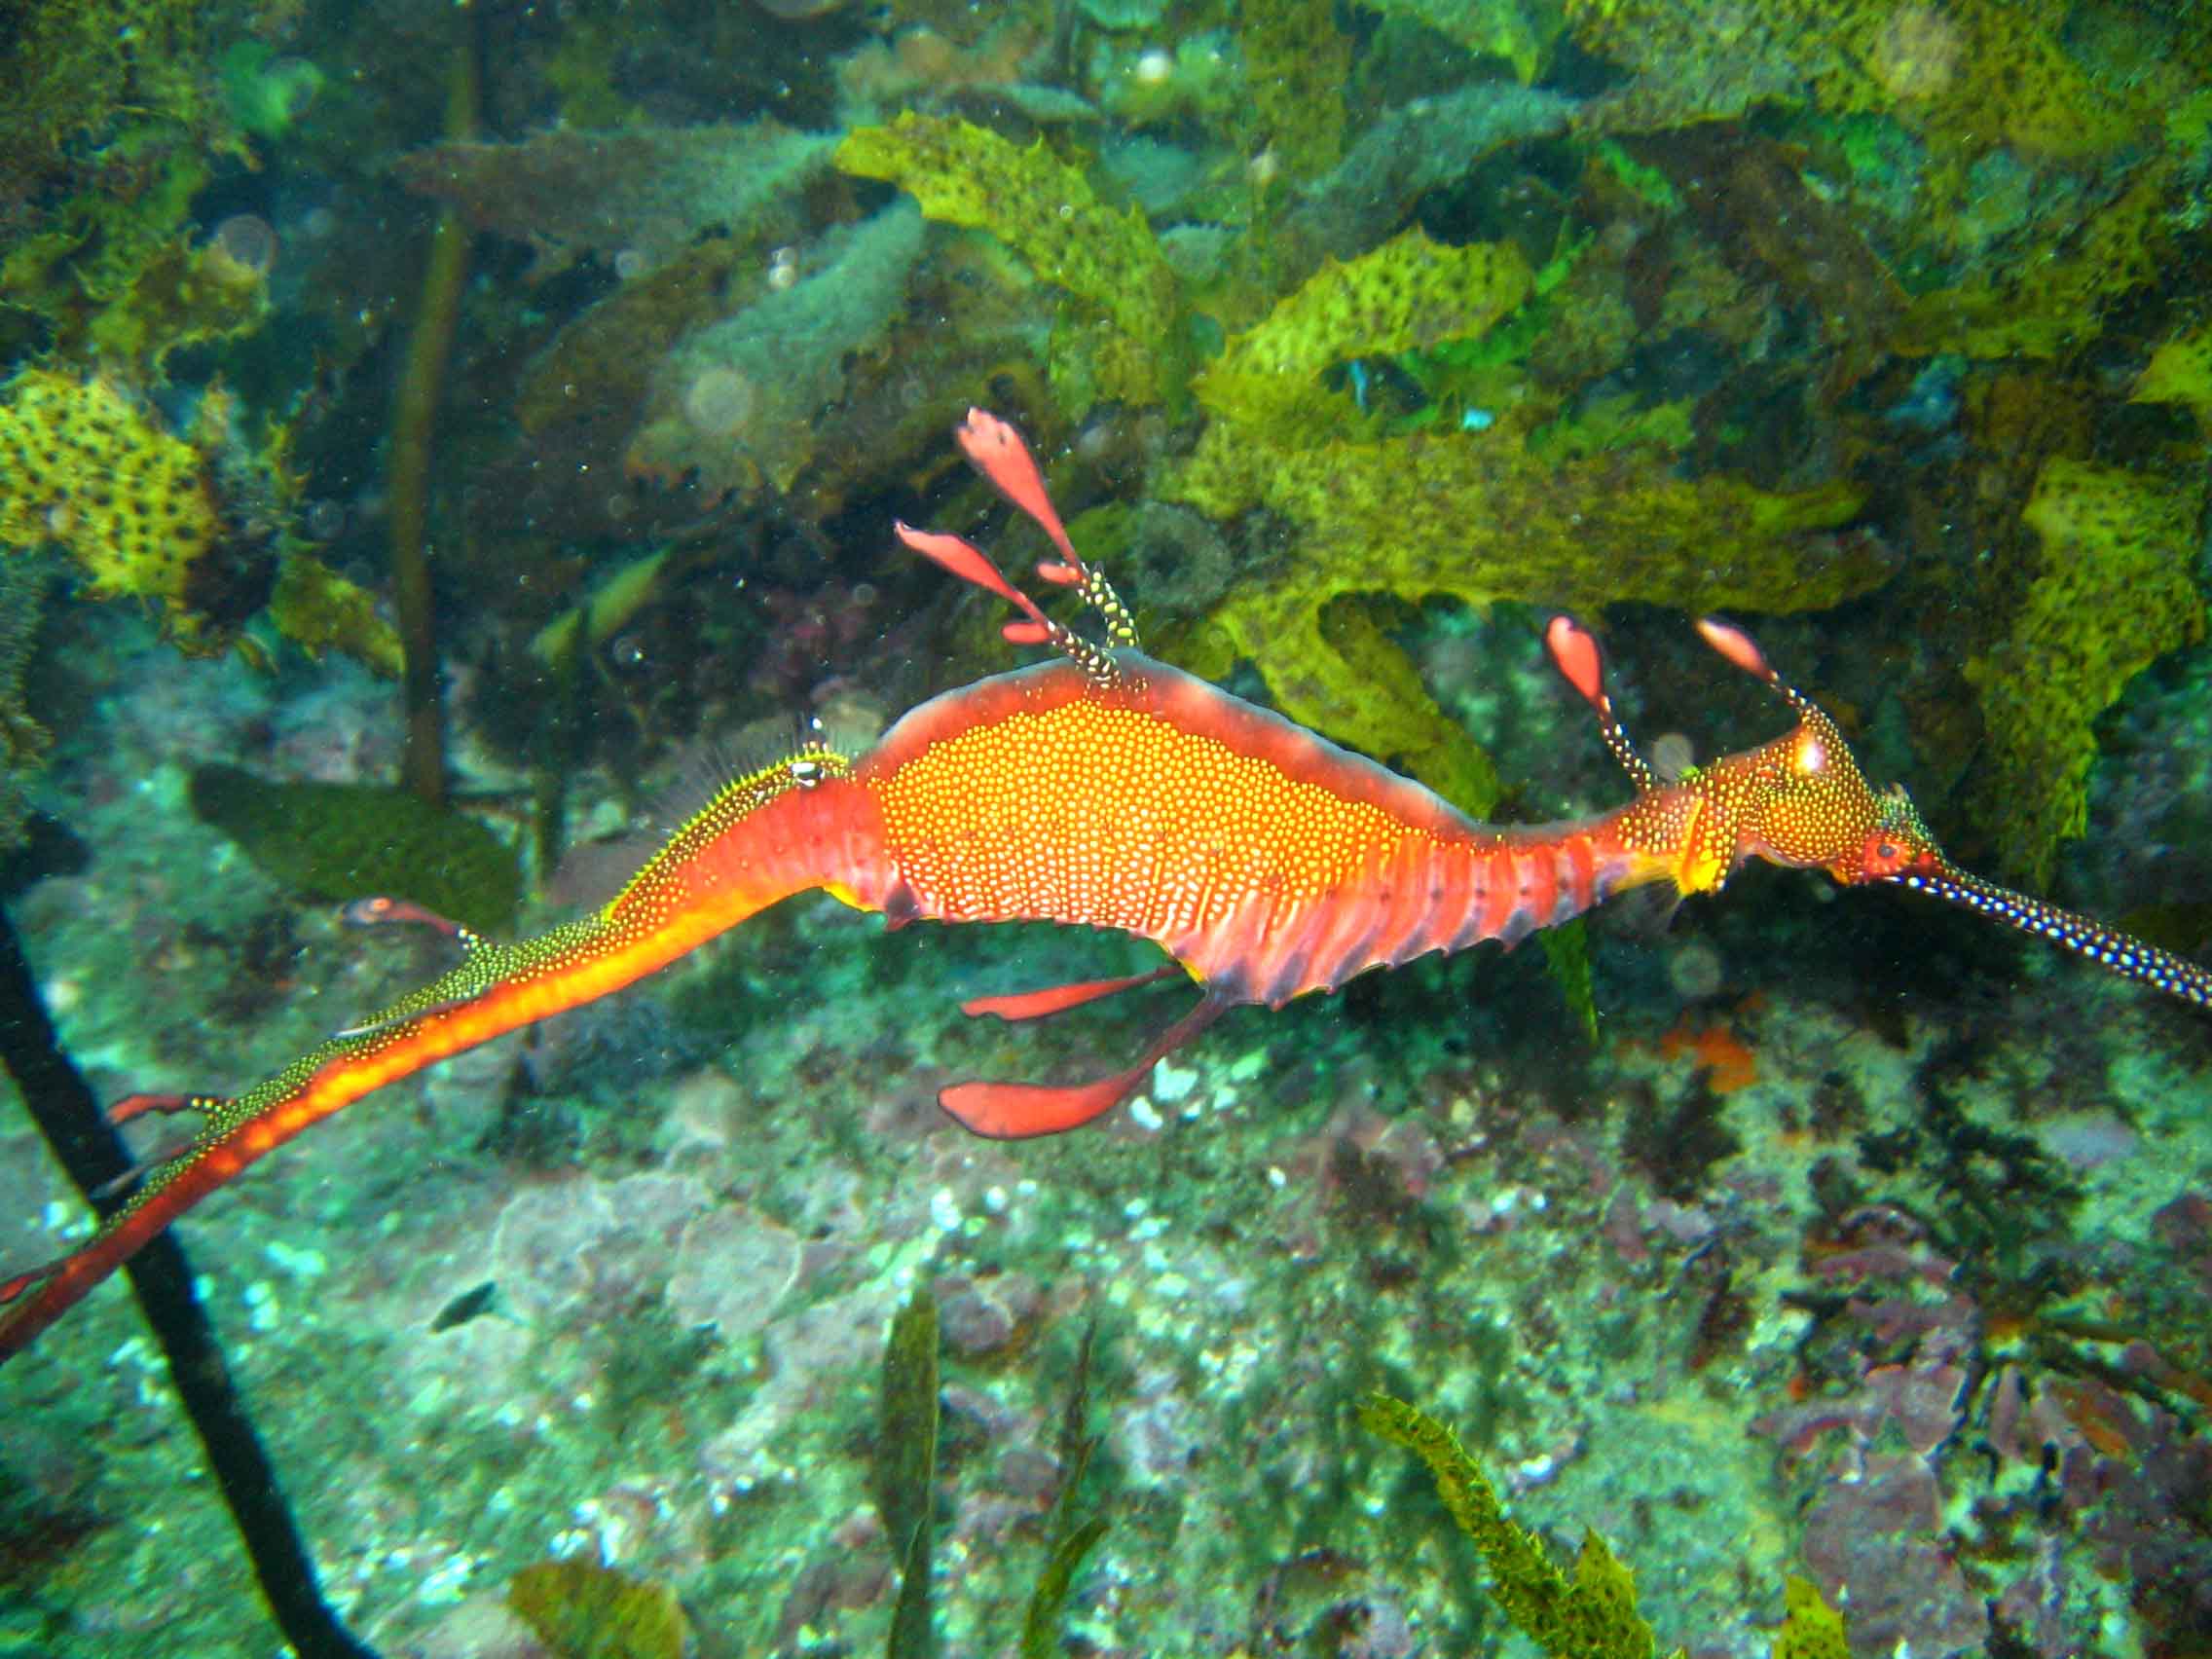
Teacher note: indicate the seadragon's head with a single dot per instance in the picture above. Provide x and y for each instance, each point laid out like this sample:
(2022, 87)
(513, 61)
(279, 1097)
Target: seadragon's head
(1801, 800)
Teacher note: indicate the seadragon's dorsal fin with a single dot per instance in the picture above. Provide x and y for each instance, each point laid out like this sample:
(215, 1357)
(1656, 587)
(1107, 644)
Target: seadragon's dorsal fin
(1000, 454)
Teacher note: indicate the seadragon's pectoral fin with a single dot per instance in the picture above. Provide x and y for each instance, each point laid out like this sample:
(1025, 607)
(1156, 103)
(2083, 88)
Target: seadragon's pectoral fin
(1017, 1111)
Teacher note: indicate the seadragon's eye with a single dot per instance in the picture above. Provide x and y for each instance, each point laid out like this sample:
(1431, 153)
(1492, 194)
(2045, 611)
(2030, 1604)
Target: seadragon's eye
(1885, 857)
(805, 772)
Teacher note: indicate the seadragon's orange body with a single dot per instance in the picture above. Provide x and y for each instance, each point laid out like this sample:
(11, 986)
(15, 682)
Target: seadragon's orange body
(1104, 788)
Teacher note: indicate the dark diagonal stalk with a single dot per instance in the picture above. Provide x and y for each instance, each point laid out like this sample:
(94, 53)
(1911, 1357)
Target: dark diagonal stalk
(74, 1126)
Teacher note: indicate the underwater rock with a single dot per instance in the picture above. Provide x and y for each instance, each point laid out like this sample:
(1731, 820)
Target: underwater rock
(731, 1270)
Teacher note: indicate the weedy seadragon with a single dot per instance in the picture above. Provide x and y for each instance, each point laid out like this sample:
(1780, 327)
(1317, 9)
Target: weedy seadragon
(1103, 789)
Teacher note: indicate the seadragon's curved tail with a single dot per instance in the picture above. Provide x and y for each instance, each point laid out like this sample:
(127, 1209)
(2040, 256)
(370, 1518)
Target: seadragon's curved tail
(798, 824)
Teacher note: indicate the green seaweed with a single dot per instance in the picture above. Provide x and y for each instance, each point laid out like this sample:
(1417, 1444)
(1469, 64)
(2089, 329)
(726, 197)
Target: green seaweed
(1297, 63)
(265, 94)
(734, 404)
(1647, 184)
(582, 1611)
(181, 295)
(1071, 1539)
(904, 1480)
(582, 72)
(1567, 953)
(24, 742)
(650, 191)
(1969, 75)
(1579, 513)
(2113, 592)
(2180, 371)
(1423, 145)
(2050, 301)
(318, 610)
(1523, 32)
(1202, 81)
(1476, 516)
(341, 842)
(1593, 1613)
(85, 77)
(614, 347)
(106, 269)
(110, 129)
(1590, 1615)
(1619, 420)
(1411, 294)
(1045, 210)
(1040, 1624)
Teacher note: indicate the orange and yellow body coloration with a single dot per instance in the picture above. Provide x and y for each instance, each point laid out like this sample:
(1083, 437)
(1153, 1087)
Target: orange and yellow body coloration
(1266, 860)
(1106, 790)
